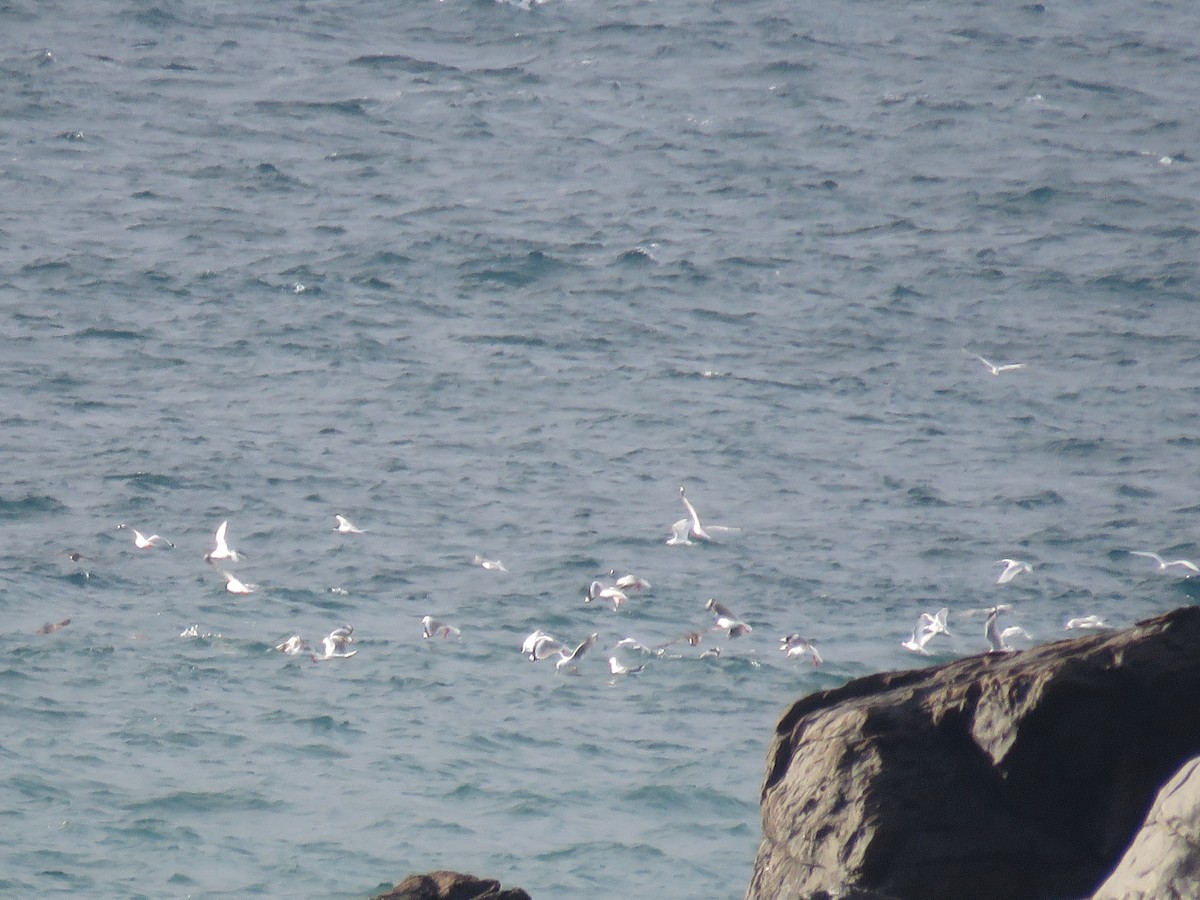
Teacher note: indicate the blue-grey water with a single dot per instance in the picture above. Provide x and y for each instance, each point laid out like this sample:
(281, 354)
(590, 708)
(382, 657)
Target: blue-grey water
(492, 279)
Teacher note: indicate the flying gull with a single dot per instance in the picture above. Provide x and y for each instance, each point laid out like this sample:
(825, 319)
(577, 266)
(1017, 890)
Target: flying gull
(992, 367)
(1012, 568)
(145, 543)
(795, 645)
(222, 550)
(431, 627)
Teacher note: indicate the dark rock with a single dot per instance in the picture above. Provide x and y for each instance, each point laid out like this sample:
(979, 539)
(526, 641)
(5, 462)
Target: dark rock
(1164, 860)
(999, 776)
(451, 886)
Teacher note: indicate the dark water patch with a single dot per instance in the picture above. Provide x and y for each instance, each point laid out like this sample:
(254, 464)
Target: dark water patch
(512, 271)
(925, 495)
(109, 334)
(190, 802)
(1076, 447)
(292, 109)
(29, 506)
(1039, 500)
(146, 480)
(638, 256)
(501, 340)
(71, 880)
(153, 831)
(1134, 492)
(402, 63)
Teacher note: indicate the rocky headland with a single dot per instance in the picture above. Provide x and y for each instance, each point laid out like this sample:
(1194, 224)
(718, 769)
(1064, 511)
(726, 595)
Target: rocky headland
(1064, 772)
(1000, 776)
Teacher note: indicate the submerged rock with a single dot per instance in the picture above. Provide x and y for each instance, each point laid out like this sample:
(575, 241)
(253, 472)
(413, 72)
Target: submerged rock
(450, 886)
(992, 777)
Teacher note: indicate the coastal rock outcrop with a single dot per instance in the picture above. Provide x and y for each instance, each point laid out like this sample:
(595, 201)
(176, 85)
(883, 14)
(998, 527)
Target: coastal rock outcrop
(1164, 860)
(1022, 775)
(444, 885)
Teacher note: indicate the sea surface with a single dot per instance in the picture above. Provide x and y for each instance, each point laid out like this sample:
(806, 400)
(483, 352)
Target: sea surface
(497, 279)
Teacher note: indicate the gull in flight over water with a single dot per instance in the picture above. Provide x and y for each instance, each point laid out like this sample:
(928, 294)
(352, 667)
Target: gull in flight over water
(568, 660)
(597, 591)
(335, 644)
(679, 534)
(795, 645)
(1012, 568)
(926, 628)
(629, 582)
(1163, 564)
(992, 367)
(725, 620)
(293, 646)
(431, 627)
(541, 645)
(998, 639)
(345, 526)
(222, 550)
(616, 668)
(1087, 623)
(493, 565)
(694, 528)
(145, 543)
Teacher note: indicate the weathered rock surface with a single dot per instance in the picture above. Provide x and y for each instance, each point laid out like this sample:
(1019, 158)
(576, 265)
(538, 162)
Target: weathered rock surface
(1164, 861)
(451, 886)
(993, 777)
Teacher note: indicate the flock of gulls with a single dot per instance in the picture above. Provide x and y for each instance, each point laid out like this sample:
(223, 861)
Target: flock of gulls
(688, 530)
(541, 645)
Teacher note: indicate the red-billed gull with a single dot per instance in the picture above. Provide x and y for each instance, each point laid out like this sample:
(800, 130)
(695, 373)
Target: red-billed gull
(795, 645)
(145, 543)
(345, 526)
(431, 627)
(1012, 568)
(222, 550)
(1189, 567)
(992, 367)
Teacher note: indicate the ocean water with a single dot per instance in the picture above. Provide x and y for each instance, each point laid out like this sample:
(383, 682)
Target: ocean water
(497, 279)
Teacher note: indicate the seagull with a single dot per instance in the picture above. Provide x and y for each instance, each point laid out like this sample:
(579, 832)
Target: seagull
(995, 369)
(568, 660)
(335, 644)
(999, 639)
(541, 645)
(145, 543)
(696, 529)
(597, 591)
(1012, 568)
(345, 526)
(927, 626)
(615, 667)
(1163, 564)
(293, 645)
(491, 564)
(76, 556)
(234, 586)
(726, 620)
(222, 549)
(431, 627)
(795, 645)
(629, 582)
(1087, 623)
(679, 534)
